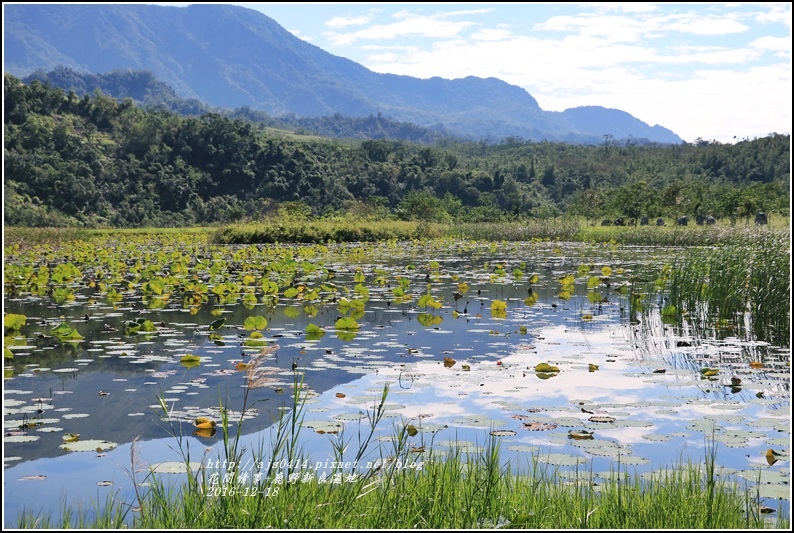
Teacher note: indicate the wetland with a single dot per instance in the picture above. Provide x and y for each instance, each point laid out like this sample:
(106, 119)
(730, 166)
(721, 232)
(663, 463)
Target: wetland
(585, 356)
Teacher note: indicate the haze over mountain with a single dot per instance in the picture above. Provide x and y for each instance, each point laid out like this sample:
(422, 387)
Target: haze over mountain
(231, 56)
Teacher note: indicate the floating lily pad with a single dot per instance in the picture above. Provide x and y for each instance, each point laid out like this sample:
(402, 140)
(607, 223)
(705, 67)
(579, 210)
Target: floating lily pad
(70, 416)
(90, 445)
(774, 491)
(764, 476)
(562, 459)
(568, 421)
(21, 438)
(655, 437)
(546, 368)
(479, 421)
(503, 433)
(539, 426)
(174, 467)
(325, 426)
(349, 417)
(602, 419)
(523, 448)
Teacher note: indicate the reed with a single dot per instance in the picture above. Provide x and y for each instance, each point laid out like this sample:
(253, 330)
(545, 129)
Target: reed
(743, 285)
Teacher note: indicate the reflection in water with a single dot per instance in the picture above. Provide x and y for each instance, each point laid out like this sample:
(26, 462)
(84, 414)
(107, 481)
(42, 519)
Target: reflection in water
(455, 372)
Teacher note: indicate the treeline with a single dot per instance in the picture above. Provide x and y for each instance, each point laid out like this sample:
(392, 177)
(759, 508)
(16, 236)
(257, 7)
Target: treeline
(95, 161)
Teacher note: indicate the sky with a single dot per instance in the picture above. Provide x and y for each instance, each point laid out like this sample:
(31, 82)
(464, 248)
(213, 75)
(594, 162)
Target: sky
(703, 70)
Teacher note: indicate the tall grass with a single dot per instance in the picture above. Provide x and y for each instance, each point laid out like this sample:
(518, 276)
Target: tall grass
(29, 237)
(743, 285)
(405, 487)
(674, 235)
(325, 230)
(563, 229)
(349, 229)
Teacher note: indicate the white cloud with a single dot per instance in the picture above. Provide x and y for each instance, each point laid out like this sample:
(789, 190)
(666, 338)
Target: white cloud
(710, 56)
(637, 7)
(612, 28)
(492, 34)
(780, 45)
(697, 25)
(624, 28)
(416, 28)
(342, 22)
(778, 13)
(465, 12)
(408, 25)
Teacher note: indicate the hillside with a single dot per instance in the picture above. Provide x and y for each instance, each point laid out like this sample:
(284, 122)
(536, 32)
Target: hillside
(149, 92)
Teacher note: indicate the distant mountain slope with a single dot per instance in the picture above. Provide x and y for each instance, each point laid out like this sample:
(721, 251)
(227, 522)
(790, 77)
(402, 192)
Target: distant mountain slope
(230, 56)
(148, 91)
(619, 124)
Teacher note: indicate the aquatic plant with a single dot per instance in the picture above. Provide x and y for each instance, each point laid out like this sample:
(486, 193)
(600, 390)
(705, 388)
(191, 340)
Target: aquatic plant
(740, 285)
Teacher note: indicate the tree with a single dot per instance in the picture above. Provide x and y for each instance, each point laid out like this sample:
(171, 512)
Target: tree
(421, 205)
(588, 203)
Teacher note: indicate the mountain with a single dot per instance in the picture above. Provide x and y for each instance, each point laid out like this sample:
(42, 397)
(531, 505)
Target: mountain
(147, 91)
(618, 124)
(230, 56)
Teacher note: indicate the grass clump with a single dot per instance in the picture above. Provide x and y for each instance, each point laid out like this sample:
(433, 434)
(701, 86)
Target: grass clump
(324, 231)
(743, 285)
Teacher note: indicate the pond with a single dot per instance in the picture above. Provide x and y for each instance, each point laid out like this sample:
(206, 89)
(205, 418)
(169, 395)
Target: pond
(457, 330)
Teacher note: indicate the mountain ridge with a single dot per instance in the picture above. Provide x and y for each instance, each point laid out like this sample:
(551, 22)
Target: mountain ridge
(231, 56)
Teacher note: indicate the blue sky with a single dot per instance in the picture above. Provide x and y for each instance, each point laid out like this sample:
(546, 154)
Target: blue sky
(703, 70)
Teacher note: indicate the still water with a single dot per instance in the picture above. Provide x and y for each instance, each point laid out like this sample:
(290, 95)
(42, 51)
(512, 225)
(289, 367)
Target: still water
(459, 368)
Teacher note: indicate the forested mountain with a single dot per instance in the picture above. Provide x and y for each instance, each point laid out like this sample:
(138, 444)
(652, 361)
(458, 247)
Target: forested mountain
(231, 57)
(147, 91)
(94, 161)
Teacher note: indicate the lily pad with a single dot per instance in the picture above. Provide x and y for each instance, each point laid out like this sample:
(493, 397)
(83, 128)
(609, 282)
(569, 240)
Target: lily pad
(21, 438)
(602, 419)
(503, 433)
(174, 467)
(90, 445)
(562, 459)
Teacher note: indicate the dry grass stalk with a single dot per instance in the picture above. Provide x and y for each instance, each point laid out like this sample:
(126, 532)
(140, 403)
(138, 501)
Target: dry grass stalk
(256, 374)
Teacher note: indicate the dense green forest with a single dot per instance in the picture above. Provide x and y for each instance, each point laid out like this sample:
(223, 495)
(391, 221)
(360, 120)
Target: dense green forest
(94, 161)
